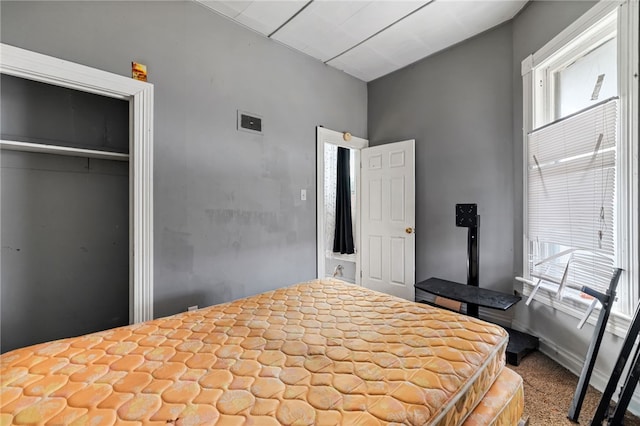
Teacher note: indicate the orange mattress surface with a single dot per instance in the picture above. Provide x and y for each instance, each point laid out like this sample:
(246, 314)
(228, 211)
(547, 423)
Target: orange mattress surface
(323, 352)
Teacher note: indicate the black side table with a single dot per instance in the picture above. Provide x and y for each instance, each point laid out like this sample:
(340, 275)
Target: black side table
(520, 343)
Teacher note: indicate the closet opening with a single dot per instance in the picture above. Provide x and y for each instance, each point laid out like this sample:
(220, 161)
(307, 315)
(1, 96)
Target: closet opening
(65, 212)
(77, 198)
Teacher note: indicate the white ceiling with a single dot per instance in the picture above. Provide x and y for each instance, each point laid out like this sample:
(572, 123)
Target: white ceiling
(368, 39)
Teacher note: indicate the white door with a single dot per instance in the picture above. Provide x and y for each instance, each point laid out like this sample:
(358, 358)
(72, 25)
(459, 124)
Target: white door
(388, 218)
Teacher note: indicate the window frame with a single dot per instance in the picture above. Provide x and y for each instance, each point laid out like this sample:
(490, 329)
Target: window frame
(588, 32)
(545, 87)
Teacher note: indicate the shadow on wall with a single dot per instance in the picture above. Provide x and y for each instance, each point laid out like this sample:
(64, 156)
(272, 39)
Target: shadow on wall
(181, 303)
(216, 293)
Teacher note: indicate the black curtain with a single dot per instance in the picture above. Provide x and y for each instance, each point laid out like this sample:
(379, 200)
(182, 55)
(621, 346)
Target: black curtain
(343, 237)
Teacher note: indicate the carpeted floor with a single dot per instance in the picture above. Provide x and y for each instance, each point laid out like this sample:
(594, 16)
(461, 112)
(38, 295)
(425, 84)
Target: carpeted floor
(549, 389)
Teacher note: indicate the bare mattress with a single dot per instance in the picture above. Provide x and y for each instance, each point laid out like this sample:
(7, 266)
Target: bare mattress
(323, 352)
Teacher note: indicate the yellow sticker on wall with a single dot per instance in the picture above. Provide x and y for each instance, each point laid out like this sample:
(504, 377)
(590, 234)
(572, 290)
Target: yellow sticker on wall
(139, 71)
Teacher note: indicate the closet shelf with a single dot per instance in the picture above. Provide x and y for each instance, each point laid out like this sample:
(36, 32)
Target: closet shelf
(62, 150)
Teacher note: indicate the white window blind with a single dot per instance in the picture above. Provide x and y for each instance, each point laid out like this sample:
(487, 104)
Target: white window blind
(571, 198)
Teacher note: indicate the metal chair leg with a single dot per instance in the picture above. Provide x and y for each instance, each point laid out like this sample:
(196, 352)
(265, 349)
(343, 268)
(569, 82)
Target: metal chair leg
(612, 384)
(594, 346)
(627, 392)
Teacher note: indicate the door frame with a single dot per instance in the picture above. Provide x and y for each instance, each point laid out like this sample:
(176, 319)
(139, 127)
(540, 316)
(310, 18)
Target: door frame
(333, 137)
(47, 69)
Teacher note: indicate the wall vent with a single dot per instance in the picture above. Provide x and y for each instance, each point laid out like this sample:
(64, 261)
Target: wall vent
(249, 122)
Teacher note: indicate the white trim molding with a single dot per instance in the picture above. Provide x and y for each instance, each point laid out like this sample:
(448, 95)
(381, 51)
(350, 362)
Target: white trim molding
(47, 69)
(628, 218)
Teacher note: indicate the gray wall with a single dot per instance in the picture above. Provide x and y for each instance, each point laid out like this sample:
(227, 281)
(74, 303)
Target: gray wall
(228, 217)
(65, 247)
(457, 105)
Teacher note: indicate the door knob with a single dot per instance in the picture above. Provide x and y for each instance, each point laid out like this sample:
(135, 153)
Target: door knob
(409, 230)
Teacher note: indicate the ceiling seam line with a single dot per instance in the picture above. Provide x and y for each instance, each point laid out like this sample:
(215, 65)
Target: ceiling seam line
(290, 19)
(379, 31)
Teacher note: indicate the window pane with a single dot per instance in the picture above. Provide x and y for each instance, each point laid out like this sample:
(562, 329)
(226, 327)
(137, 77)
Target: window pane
(571, 198)
(576, 83)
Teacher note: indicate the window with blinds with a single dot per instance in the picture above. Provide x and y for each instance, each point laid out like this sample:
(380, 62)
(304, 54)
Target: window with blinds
(571, 179)
(580, 165)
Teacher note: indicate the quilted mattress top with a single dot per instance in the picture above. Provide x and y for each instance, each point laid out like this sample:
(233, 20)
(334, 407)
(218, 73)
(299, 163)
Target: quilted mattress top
(323, 352)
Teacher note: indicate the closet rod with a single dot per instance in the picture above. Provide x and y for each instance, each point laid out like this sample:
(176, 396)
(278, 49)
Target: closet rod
(62, 150)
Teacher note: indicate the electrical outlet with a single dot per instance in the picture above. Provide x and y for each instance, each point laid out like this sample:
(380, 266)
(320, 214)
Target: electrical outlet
(303, 194)
(192, 308)
(249, 122)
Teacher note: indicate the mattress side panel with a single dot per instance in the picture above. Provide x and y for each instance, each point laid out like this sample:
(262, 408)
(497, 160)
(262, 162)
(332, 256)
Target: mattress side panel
(503, 405)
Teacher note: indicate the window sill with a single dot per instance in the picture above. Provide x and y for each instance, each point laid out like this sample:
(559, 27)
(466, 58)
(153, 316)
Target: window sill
(575, 305)
(339, 256)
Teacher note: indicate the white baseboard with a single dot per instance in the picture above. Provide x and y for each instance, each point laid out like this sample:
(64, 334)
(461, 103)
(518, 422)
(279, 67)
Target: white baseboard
(574, 362)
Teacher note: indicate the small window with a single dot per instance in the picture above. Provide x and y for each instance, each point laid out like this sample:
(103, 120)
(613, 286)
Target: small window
(578, 74)
(590, 79)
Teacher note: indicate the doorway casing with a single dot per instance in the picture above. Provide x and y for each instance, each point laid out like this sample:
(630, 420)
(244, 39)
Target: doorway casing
(47, 69)
(324, 136)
